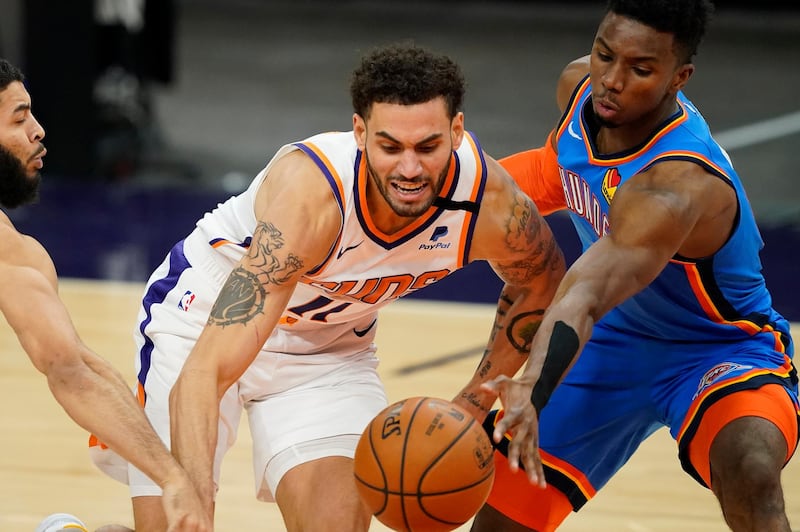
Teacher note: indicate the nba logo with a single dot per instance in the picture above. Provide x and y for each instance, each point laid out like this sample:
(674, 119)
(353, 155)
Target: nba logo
(186, 301)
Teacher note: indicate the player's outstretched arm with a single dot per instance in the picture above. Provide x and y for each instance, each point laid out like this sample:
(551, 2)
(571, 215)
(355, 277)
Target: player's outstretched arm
(655, 215)
(518, 243)
(298, 221)
(91, 391)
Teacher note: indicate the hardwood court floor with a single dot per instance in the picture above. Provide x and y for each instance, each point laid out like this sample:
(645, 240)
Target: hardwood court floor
(45, 469)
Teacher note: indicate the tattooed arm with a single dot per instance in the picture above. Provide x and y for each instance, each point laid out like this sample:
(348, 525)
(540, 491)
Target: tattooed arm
(518, 243)
(298, 221)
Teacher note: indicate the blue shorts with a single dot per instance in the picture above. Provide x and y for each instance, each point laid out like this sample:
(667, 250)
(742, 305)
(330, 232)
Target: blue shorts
(624, 388)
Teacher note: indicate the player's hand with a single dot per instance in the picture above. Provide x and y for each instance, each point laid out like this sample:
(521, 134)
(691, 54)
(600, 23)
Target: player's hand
(521, 421)
(183, 509)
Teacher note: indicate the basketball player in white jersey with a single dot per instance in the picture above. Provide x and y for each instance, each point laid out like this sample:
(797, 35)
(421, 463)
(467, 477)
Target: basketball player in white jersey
(271, 303)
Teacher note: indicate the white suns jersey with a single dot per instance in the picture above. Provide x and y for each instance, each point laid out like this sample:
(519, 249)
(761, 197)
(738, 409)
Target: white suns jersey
(334, 308)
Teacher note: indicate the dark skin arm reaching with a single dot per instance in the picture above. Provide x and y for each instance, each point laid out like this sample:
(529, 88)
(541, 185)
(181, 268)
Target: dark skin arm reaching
(673, 208)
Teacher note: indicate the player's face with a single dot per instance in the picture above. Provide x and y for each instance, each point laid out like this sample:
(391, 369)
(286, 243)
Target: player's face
(21, 148)
(635, 73)
(408, 150)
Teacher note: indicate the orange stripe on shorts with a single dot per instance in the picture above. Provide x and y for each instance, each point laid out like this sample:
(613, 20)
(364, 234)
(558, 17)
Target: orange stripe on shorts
(770, 402)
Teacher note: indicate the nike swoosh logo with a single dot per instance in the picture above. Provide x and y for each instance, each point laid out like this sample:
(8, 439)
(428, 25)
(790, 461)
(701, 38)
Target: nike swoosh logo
(342, 251)
(364, 331)
(572, 132)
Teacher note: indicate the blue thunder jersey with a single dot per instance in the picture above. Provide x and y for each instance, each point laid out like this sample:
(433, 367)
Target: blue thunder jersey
(334, 308)
(721, 297)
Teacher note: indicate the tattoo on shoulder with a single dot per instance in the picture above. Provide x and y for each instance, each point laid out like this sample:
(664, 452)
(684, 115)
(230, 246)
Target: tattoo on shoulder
(241, 298)
(543, 254)
(267, 240)
(244, 293)
(523, 224)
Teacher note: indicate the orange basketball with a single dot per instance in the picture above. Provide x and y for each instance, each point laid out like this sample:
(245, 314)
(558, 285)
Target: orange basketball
(424, 464)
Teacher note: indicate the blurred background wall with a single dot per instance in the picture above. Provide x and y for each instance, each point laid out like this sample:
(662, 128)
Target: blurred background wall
(156, 110)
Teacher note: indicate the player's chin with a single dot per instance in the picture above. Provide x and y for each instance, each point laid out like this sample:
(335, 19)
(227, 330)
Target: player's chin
(34, 172)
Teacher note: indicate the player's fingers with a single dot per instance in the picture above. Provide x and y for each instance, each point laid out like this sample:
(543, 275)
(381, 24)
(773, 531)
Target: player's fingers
(504, 426)
(532, 461)
(519, 442)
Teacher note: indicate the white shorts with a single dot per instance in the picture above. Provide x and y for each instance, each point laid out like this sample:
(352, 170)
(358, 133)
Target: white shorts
(300, 407)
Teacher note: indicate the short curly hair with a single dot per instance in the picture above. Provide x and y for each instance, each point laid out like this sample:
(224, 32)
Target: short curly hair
(686, 20)
(406, 74)
(9, 73)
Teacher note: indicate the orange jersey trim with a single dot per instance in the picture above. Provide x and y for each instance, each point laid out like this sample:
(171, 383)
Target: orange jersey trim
(698, 158)
(576, 104)
(569, 471)
(335, 181)
(362, 180)
(477, 188)
(573, 106)
(713, 313)
(682, 117)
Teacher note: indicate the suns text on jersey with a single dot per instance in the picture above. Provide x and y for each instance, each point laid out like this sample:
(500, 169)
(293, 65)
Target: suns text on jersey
(372, 291)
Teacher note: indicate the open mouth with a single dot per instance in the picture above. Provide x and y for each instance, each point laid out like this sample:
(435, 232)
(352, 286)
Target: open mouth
(409, 189)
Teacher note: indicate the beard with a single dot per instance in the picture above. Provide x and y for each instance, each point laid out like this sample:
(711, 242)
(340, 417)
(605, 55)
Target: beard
(16, 186)
(409, 210)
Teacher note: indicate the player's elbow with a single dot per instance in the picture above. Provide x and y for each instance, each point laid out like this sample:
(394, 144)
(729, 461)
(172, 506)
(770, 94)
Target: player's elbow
(66, 372)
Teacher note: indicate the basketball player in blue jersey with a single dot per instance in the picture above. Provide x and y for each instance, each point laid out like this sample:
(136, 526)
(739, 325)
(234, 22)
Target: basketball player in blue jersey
(90, 390)
(665, 319)
(271, 303)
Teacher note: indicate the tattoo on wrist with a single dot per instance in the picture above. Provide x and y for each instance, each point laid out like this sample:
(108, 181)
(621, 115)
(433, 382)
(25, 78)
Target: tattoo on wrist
(472, 399)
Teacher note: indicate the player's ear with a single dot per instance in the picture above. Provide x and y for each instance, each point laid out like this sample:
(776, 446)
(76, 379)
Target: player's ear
(682, 76)
(457, 130)
(359, 131)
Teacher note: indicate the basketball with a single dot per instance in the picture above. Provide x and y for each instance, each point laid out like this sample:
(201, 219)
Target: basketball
(424, 464)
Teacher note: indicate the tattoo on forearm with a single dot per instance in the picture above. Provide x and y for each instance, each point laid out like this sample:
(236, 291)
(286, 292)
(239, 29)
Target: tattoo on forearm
(241, 298)
(522, 329)
(485, 366)
(503, 304)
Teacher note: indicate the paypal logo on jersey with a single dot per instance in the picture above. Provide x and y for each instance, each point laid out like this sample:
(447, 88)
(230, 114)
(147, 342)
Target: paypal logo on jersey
(440, 232)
